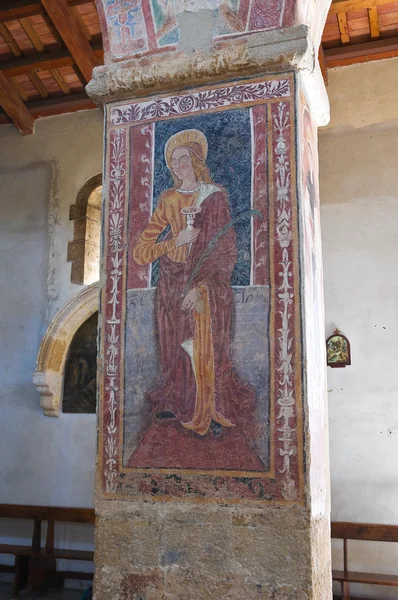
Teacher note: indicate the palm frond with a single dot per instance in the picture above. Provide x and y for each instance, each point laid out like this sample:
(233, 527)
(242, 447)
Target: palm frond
(210, 247)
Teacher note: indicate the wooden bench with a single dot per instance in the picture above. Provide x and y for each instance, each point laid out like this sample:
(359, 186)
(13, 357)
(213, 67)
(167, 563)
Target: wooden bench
(35, 566)
(364, 532)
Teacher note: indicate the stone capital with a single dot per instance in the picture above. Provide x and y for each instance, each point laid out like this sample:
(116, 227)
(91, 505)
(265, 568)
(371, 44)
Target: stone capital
(261, 52)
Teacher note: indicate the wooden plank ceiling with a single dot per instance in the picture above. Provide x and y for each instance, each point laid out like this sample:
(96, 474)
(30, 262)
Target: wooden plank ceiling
(47, 52)
(48, 49)
(360, 31)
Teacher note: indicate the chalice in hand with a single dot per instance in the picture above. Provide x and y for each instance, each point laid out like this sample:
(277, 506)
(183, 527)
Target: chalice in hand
(190, 212)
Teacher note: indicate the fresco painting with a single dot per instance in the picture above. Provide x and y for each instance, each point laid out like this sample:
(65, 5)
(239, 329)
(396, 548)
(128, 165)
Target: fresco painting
(230, 16)
(127, 27)
(201, 300)
(139, 26)
(199, 236)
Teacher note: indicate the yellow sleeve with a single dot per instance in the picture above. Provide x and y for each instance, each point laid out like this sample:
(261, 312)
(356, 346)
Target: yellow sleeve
(147, 249)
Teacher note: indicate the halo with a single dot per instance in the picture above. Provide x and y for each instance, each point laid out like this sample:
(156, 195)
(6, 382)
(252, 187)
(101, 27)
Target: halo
(183, 137)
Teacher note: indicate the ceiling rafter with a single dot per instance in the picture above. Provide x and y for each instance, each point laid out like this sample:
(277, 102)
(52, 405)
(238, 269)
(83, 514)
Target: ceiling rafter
(46, 61)
(17, 9)
(9, 40)
(14, 108)
(32, 35)
(343, 27)
(349, 5)
(374, 23)
(60, 81)
(39, 85)
(19, 89)
(51, 106)
(64, 19)
(367, 51)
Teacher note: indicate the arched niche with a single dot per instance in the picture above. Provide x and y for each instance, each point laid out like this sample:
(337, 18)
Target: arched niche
(84, 250)
(53, 352)
(79, 390)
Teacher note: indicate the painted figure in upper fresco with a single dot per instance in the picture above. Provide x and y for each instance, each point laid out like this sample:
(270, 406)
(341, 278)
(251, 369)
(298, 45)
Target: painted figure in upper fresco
(194, 297)
(226, 14)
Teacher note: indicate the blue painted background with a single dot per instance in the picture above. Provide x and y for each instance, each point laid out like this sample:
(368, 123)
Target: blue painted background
(229, 160)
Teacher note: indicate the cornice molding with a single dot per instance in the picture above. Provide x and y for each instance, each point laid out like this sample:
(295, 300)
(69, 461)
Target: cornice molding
(257, 54)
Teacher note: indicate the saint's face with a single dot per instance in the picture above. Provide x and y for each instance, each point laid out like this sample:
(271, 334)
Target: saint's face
(181, 163)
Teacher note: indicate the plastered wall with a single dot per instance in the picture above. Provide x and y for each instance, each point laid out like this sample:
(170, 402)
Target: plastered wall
(44, 460)
(359, 200)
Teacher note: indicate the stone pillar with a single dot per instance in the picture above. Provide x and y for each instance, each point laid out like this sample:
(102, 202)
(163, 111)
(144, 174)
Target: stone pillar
(212, 476)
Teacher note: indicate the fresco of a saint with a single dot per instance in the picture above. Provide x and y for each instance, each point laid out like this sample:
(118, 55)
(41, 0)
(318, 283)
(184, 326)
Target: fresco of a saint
(194, 299)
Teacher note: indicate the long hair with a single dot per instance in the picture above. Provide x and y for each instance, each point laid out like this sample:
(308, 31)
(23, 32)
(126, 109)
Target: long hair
(200, 169)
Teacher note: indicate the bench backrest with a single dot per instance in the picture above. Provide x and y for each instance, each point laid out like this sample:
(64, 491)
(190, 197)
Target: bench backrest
(51, 514)
(47, 513)
(364, 531)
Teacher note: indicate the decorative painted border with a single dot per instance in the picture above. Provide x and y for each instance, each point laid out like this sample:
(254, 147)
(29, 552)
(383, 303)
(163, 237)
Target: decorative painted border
(283, 484)
(193, 102)
(111, 308)
(285, 393)
(260, 233)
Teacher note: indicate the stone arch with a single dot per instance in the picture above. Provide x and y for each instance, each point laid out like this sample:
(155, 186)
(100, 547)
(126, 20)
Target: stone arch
(53, 352)
(84, 250)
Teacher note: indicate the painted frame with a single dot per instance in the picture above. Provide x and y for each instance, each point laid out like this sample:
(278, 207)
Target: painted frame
(272, 99)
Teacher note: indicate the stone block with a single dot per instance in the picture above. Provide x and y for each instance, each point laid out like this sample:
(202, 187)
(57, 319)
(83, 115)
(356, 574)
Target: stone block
(127, 542)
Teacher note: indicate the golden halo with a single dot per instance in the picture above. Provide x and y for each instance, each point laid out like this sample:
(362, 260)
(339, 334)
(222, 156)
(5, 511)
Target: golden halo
(181, 138)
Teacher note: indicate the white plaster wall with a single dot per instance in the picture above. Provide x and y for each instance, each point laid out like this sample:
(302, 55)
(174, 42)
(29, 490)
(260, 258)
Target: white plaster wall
(359, 203)
(43, 460)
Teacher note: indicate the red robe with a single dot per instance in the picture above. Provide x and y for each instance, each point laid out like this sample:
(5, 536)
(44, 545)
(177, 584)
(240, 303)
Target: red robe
(202, 387)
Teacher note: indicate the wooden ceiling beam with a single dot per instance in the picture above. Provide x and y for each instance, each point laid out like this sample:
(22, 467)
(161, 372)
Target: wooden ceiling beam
(60, 81)
(343, 28)
(39, 85)
(17, 9)
(19, 89)
(69, 29)
(347, 5)
(365, 52)
(56, 106)
(9, 40)
(15, 108)
(54, 31)
(374, 23)
(32, 35)
(45, 61)
(82, 24)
